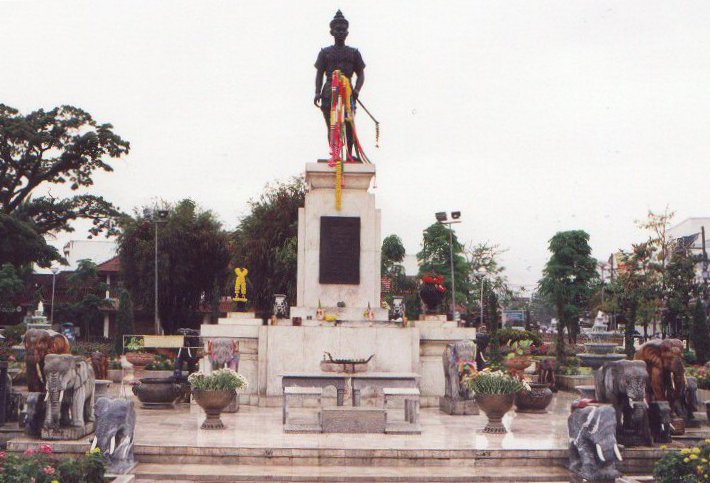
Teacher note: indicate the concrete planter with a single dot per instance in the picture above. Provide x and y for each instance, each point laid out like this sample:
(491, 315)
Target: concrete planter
(115, 375)
(495, 406)
(213, 403)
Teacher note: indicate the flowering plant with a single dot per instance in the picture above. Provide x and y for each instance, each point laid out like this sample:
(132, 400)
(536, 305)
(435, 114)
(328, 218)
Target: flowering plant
(519, 348)
(495, 382)
(218, 380)
(436, 280)
(39, 465)
(688, 465)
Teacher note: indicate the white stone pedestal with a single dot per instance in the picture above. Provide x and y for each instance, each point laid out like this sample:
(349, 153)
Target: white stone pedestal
(357, 202)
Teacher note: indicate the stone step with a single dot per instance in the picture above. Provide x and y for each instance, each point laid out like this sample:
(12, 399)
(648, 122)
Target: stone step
(145, 472)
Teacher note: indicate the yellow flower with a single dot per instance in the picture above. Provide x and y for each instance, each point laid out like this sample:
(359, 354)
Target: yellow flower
(664, 446)
(707, 440)
(696, 450)
(95, 451)
(693, 457)
(685, 451)
(686, 460)
(55, 481)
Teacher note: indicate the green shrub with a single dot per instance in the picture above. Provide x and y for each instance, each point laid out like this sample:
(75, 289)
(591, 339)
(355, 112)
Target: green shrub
(219, 380)
(503, 336)
(13, 334)
(495, 383)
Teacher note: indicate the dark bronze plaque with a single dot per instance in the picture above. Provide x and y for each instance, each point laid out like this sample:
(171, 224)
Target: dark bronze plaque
(339, 250)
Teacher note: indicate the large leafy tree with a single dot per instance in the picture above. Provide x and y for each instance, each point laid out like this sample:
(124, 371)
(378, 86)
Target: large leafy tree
(435, 257)
(38, 150)
(266, 242)
(681, 288)
(59, 146)
(193, 259)
(568, 280)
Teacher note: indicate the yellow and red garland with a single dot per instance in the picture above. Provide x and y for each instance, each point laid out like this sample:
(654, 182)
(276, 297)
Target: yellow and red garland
(341, 114)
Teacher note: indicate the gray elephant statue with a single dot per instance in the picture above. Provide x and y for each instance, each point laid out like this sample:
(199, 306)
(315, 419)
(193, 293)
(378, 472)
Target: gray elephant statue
(454, 354)
(593, 451)
(688, 402)
(32, 417)
(223, 352)
(623, 384)
(115, 430)
(70, 395)
(659, 418)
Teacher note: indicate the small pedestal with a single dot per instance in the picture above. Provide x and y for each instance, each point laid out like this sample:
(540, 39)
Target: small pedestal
(70, 433)
(458, 407)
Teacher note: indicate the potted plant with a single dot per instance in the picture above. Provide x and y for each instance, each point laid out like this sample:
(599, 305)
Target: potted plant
(136, 356)
(161, 366)
(431, 291)
(518, 357)
(494, 393)
(534, 399)
(214, 392)
(115, 371)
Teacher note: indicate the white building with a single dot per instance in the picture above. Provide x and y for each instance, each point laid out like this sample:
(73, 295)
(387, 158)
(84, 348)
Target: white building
(693, 227)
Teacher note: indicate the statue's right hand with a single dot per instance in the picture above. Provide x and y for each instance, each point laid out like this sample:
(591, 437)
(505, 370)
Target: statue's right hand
(317, 100)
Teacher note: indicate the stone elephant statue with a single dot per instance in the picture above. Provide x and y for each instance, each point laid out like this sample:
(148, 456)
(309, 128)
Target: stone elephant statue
(623, 384)
(454, 354)
(663, 359)
(593, 451)
(99, 363)
(223, 352)
(659, 417)
(187, 354)
(38, 343)
(115, 430)
(70, 391)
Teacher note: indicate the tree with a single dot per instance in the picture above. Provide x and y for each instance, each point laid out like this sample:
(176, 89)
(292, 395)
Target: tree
(64, 144)
(567, 281)
(392, 253)
(635, 291)
(435, 257)
(193, 258)
(10, 285)
(681, 287)
(124, 319)
(266, 242)
(84, 298)
(700, 333)
(487, 280)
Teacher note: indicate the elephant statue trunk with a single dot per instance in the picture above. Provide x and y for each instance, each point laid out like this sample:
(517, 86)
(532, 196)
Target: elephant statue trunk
(53, 401)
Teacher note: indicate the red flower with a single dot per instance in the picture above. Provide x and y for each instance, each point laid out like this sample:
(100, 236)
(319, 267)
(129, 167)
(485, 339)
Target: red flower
(428, 279)
(29, 452)
(45, 449)
(49, 470)
(3, 454)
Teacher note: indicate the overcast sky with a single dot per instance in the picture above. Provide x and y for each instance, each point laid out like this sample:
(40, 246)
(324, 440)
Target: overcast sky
(529, 117)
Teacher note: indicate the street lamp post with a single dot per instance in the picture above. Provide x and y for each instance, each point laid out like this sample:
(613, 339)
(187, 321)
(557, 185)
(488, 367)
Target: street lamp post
(482, 273)
(158, 216)
(54, 280)
(442, 218)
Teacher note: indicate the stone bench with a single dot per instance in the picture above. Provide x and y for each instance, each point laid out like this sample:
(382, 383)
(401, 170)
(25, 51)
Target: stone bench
(410, 395)
(301, 393)
(355, 419)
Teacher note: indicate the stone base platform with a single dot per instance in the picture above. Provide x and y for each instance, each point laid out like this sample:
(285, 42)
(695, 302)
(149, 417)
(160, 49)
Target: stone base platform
(458, 407)
(170, 446)
(71, 433)
(346, 419)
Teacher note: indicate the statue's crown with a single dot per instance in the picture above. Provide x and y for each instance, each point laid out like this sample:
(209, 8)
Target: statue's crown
(339, 18)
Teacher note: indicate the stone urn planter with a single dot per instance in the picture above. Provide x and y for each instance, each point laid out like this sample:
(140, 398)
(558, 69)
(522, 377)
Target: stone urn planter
(518, 364)
(535, 400)
(495, 406)
(140, 359)
(213, 402)
(157, 392)
(115, 375)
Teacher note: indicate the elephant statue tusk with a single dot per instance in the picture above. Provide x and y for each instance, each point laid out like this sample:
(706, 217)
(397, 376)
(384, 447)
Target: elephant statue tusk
(672, 427)
(600, 454)
(61, 396)
(617, 453)
(39, 373)
(113, 445)
(94, 442)
(46, 396)
(663, 427)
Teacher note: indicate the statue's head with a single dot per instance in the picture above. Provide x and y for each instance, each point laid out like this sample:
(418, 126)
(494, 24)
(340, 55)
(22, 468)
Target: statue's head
(339, 27)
